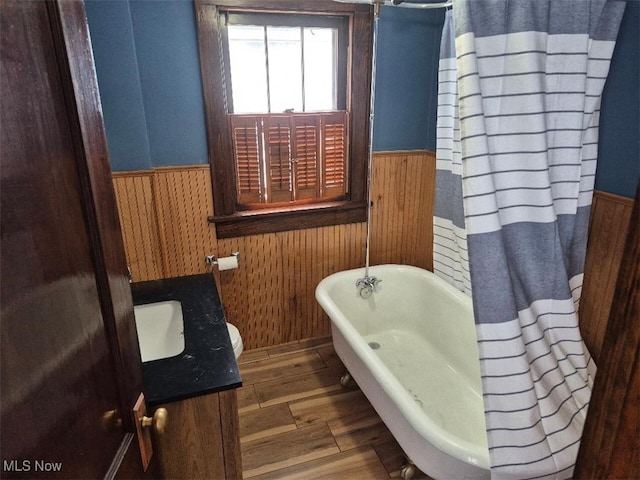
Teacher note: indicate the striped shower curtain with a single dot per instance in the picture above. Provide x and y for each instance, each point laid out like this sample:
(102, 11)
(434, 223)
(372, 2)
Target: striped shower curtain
(521, 152)
(450, 259)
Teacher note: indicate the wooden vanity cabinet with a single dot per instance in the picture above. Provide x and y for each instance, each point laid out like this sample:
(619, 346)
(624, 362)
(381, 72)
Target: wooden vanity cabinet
(201, 438)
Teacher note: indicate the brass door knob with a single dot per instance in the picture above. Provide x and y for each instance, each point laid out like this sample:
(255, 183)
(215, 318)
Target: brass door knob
(158, 421)
(111, 420)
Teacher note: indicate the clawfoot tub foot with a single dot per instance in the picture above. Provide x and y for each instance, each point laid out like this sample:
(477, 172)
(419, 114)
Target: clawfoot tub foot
(408, 470)
(346, 380)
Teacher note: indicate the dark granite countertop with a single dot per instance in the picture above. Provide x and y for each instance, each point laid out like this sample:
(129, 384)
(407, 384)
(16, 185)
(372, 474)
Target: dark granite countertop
(207, 363)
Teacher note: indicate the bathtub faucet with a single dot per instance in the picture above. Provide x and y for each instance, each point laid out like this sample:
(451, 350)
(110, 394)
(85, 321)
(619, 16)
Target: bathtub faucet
(367, 286)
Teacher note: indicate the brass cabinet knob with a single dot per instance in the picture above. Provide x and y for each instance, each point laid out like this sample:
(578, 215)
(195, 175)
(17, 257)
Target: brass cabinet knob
(158, 421)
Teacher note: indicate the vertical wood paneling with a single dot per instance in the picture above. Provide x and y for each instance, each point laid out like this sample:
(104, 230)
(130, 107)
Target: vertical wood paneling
(253, 293)
(183, 202)
(609, 222)
(403, 186)
(421, 236)
(271, 296)
(137, 211)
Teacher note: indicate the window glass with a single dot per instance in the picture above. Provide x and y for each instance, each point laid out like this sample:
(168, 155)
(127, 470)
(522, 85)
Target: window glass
(248, 67)
(295, 71)
(320, 72)
(285, 68)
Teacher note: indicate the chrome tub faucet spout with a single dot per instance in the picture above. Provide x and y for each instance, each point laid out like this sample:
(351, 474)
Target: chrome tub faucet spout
(367, 286)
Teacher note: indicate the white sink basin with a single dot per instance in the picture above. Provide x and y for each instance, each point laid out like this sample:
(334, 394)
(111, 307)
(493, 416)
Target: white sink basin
(160, 330)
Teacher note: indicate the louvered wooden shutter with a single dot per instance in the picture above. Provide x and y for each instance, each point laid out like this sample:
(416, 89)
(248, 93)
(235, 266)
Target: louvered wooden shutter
(247, 145)
(306, 156)
(334, 153)
(299, 156)
(277, 133)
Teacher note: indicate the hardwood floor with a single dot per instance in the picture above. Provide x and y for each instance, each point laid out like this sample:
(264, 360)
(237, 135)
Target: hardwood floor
(297, 422)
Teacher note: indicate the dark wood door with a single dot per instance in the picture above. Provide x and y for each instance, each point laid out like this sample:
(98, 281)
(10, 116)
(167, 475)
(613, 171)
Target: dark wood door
(610, 446)
(70, 365)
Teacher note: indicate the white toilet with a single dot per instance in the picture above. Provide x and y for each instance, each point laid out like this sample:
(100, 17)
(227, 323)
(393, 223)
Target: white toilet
(236, 340)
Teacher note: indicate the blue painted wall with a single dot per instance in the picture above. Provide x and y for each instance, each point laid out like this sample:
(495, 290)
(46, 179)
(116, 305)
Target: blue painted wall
(169, 64)
(119, 82)
(149, 77)
(407, 79)
(146, 55)
(618, 168)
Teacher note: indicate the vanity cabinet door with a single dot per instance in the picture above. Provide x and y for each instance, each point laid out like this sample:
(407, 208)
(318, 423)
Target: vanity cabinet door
(201, 440)
(68, 348)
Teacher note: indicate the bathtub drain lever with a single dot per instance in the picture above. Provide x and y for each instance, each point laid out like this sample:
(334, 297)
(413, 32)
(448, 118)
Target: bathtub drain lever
(367, 286)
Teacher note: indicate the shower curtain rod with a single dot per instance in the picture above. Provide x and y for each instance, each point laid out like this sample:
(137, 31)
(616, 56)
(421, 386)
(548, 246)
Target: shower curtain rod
(402, 3)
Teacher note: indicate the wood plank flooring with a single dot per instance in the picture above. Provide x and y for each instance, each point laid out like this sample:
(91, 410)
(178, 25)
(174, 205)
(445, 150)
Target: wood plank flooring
(297, 422)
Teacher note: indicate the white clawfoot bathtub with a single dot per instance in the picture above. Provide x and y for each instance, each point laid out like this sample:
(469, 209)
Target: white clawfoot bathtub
(411, 347)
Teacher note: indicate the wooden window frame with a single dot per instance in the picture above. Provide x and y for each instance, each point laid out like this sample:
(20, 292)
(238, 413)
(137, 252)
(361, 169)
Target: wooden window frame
(228, 219)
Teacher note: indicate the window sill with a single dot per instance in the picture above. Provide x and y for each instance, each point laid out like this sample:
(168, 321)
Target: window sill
(256, 222)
